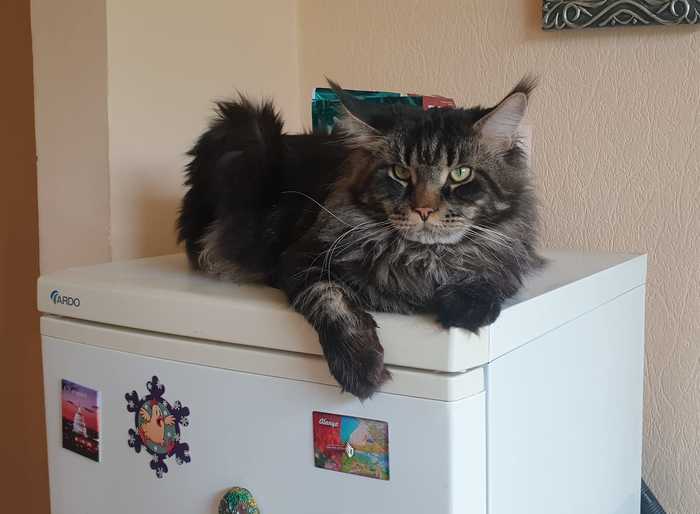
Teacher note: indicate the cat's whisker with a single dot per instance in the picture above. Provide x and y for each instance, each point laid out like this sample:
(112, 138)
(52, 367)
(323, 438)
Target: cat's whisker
(364, 238)
(481, 240)
(495, 233)
(318, 204)
(335, 244)
(339, 251)
(500, 239)
(309, 268)
(325, 252)
(495, 238)
(506, 241)
(329, 252)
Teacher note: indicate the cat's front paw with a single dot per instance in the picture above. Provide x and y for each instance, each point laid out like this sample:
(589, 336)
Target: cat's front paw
(468, 307)
(356, 360)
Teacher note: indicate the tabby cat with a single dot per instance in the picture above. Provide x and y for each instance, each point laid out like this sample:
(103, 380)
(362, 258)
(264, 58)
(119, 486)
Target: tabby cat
(398, 210)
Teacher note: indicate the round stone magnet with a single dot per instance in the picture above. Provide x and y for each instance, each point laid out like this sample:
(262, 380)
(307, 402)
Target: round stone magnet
(238, 500)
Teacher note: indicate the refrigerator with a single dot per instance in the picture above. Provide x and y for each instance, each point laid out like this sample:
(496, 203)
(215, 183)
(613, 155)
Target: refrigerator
(165, 388)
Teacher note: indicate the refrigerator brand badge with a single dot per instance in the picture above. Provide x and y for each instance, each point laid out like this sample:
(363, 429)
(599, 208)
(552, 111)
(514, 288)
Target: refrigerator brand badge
(80, 413)
(351, 445)
(58, 298)
(157, 426)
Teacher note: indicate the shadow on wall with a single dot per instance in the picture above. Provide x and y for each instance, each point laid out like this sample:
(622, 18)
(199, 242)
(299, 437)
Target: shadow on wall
(156, 212)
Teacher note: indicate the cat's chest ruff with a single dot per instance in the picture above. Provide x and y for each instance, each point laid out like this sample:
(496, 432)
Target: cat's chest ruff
(416, 272)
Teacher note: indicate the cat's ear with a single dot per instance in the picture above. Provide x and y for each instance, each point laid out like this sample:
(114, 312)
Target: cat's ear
(502, 125)
(358, 119)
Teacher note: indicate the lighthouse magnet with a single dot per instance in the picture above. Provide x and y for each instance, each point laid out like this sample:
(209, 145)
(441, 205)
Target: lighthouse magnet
(157, 427)
(80, 419)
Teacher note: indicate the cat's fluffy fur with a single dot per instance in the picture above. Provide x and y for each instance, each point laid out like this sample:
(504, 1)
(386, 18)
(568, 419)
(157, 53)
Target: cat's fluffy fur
(368, 218)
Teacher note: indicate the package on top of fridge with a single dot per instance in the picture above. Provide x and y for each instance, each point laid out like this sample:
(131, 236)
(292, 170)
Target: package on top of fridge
(325, 104)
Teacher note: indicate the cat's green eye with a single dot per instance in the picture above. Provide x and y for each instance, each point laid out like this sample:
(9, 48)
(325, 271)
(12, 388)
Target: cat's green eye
(461, 174)
(399, 173)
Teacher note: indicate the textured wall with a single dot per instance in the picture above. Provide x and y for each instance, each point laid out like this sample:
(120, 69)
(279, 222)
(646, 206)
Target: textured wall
(616, 130)
(70, 79)
(167, 61)
(616, 121)
(122, 90)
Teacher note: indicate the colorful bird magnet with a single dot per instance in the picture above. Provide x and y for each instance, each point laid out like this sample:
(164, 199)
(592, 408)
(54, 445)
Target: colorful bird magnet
(157, 425)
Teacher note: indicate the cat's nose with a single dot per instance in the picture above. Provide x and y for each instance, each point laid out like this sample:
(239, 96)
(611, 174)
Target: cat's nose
(424, 212)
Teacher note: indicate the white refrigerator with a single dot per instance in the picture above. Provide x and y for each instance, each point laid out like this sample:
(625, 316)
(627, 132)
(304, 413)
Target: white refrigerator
(164, 388)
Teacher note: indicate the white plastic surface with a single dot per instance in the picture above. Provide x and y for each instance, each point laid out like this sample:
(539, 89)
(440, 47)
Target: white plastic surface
(262, 361)
(256, 431)
(162, 295)
(565, 417)
(549, 423)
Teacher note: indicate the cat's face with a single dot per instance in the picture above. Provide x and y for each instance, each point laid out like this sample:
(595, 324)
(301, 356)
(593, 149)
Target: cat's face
(436, 200)
(440, 176)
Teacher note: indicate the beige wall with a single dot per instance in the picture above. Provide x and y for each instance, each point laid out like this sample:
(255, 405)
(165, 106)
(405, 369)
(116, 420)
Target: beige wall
(70, 90)
(123, 88)
(167, 62)
(616, 130)
(616, 121)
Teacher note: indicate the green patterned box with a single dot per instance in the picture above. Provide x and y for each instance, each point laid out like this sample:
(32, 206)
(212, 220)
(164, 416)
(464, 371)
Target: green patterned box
(325, 105)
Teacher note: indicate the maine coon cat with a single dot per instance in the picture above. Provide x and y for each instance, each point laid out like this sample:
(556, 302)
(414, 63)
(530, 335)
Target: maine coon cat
(399, 210)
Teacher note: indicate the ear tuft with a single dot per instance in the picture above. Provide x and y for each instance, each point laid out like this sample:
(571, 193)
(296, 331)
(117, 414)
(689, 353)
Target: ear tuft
(526, 85)
(334, 85)
(355, 118)
(502, 123)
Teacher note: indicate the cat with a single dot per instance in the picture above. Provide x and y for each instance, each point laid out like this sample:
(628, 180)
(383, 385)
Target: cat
(398, 210)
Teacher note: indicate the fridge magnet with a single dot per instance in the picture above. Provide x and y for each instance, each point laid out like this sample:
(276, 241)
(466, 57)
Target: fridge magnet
(157, 426)
(351, 445)
(238, 500)
(80, 413)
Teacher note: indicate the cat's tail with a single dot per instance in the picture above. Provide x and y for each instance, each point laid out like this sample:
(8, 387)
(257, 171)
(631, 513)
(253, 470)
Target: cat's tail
(254, 130)
(234, 168)
(247, 144)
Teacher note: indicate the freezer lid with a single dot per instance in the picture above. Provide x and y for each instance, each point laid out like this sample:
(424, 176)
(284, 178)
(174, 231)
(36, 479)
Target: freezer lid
(161, 294)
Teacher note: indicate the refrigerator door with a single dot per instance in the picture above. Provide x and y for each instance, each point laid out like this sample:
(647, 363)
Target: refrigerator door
(254, 431)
